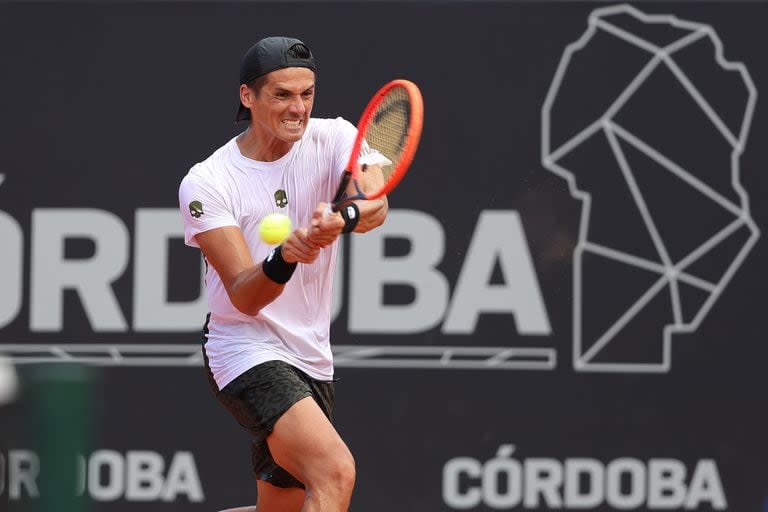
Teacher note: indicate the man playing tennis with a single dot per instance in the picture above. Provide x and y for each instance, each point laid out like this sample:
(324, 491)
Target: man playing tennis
(267, 344)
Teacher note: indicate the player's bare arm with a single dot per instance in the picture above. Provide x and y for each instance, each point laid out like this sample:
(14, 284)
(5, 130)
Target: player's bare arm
(248, 287)
(373, 212)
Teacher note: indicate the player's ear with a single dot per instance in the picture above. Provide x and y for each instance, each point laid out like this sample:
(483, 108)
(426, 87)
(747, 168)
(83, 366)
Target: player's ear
(247, 96)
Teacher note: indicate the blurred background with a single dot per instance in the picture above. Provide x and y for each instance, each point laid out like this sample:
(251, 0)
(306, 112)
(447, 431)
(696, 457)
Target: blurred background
(564, 311)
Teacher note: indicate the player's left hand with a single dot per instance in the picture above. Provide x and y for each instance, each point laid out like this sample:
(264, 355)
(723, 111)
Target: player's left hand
(298, 248)
(325, 228)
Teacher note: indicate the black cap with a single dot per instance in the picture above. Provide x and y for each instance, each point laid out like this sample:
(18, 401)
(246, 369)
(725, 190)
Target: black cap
(271, 54)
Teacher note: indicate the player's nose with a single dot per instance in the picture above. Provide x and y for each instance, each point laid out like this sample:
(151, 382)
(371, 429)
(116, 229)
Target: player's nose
(297, 106)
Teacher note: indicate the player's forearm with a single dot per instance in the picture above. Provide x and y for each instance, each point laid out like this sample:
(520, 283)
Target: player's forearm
(252, 290)
(373, 213)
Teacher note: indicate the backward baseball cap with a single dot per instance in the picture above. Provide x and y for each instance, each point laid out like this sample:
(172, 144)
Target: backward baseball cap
(270, 54)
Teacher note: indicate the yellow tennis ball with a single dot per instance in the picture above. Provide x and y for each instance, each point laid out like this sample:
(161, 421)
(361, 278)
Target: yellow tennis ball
(275, 228)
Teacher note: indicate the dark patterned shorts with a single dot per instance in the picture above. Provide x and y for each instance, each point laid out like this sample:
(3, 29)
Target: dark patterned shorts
(258, 398)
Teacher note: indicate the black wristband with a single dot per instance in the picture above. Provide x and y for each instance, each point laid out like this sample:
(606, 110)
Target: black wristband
(351, 215)
(276, 268)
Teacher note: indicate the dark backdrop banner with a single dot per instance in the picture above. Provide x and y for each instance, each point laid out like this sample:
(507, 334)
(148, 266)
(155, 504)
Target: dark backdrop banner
(564, 311)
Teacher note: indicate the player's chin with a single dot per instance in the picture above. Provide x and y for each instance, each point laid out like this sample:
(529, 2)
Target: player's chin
(293, 137)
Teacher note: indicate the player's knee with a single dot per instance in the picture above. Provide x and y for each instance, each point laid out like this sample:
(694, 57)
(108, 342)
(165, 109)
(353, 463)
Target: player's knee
(338, 476)
(345, 472)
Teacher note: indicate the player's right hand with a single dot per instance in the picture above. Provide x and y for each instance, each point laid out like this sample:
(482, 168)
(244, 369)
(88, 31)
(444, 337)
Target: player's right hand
(299, 248)
(325, 227)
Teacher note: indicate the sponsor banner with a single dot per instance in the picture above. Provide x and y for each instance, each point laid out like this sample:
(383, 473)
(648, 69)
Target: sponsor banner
(563, 310)
(505, 482)
(107, 475)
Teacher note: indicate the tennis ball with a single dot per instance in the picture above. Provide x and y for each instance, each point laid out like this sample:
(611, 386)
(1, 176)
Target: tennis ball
(275, 228)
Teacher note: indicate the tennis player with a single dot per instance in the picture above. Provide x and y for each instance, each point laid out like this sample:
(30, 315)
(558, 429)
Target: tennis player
(266, 340)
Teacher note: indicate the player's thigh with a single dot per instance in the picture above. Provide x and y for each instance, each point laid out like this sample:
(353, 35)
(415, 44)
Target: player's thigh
(278, 499)
(305, 443)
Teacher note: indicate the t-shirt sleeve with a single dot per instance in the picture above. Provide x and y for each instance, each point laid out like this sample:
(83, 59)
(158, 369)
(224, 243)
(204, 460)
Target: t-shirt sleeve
(202, 208)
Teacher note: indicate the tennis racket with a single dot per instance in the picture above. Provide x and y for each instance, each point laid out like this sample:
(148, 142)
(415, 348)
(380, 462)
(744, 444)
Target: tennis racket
(388, 134)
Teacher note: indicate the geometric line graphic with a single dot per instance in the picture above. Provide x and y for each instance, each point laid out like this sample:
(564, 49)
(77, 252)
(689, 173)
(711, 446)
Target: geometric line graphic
(348, 356)
(426, 357)
(655, 113)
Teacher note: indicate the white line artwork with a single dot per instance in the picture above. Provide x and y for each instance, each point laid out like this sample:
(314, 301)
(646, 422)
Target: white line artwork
(346, 356)
(646, 121)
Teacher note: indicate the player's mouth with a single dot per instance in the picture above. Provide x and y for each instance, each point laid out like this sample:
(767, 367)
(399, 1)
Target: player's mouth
(293, 124)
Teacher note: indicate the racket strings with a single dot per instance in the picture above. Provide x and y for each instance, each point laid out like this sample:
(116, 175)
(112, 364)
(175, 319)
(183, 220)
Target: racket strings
(390, 124)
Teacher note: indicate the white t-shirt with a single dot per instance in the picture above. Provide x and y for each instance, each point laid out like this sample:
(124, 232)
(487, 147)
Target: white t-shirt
(229, 189)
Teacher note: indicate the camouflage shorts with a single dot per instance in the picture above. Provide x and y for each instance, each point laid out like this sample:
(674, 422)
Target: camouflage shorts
(257, 399)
